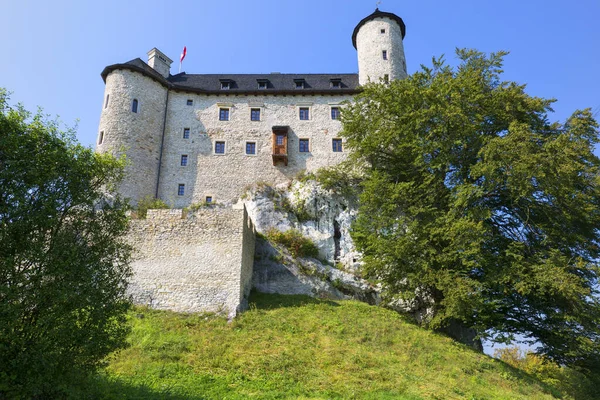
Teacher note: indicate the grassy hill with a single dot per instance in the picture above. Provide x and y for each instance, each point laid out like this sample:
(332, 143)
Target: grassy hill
(299, 347)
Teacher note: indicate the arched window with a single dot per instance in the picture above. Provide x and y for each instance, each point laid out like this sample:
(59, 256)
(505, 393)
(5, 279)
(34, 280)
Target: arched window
(134, 106)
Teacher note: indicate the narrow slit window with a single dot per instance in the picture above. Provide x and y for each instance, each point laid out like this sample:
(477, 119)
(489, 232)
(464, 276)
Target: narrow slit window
(384, 54)
(101, 137)
(106, 103)
(184, 160)
(134, 106)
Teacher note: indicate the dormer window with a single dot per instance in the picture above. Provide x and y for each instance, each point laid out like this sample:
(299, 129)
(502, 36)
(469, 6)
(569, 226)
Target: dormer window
(299, 83)
(335, 83)
(225, 84)
(262, 83)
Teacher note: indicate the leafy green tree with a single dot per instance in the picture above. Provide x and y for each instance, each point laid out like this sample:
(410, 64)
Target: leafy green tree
(63, 260)
(473, 200)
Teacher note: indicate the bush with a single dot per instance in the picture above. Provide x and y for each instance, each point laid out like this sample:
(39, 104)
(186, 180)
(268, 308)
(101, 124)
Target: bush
(295, 242)
(63, 257)
(149, 203)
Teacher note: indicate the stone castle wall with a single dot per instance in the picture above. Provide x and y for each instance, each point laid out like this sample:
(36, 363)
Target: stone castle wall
(200, 262)
(224, 177)
(137, 135)
(370, 43)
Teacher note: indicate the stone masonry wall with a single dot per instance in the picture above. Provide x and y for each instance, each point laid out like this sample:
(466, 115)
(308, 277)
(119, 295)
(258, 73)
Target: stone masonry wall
(138, 134)
(224, 177)
(200, 262)
(370, 43)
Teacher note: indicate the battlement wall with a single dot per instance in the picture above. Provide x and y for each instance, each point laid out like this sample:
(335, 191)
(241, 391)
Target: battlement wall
(193, 262)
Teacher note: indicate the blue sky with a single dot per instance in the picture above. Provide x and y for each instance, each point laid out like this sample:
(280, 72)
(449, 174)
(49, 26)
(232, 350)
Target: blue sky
(55, 50)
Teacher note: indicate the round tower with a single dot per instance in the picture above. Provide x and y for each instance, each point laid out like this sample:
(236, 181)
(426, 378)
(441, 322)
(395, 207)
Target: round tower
(378, 42)
(131, 124)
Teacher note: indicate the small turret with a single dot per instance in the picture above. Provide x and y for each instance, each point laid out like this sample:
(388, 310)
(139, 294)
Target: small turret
(378, 41)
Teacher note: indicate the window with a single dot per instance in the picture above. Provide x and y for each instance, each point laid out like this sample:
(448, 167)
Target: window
(383, 31)
(181, 189)
(337, 145)
(304, 148)
(255, 114)
(223, 114)
(208, 199)
(384, 54)
(186, 133)
(190, 102)
(134, 106)
(335, 113)
(250, 148)
(106, 103)
(219, 147)
(262, 84)
(184, 159)
(225, 86)
(101, 137)
(279, 140)
(336, 84)
(304, 113)
(299, 83)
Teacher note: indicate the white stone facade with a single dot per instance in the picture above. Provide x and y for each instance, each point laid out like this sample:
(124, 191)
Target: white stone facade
(152, 137)
(380, 51)
(225, 176)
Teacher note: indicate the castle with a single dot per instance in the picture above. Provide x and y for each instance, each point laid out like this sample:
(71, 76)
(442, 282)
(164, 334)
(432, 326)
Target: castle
(199, 138)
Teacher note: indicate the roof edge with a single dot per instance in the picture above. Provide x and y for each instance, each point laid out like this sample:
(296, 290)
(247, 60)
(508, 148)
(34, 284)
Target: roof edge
(378, 14)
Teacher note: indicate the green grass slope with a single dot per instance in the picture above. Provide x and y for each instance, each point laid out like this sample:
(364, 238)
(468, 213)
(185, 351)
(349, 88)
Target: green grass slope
(302, 348)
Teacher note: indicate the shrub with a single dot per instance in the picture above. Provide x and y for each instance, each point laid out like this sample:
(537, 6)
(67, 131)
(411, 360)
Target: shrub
(149, 203)
(295, 242)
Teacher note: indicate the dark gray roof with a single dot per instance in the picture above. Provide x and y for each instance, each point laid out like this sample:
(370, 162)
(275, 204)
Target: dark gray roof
(244, 83)
(378, 14)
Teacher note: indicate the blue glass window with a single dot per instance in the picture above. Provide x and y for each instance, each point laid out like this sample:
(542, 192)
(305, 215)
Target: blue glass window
(134, 106)
(255, 114)
(223, 114)
(304, 113)
(184, 159)
(208, 199)
(219, 147)
(250, 148)
(181, 189)
(335, 113)
(337, 145)
(384, 53)
(186, 133)
(279, 140)
(190, 102)
(304, 148)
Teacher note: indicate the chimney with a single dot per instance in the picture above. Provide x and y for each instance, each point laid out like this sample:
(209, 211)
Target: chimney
(160, 62)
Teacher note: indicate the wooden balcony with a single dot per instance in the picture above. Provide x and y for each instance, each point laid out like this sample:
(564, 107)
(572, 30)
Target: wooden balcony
(280, 148)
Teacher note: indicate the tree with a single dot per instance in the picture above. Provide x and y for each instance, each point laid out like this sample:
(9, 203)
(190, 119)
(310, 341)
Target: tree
(63, 259)
(472, 199)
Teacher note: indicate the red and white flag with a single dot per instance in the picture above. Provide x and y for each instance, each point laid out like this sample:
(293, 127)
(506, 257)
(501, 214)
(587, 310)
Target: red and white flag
(183, 53)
